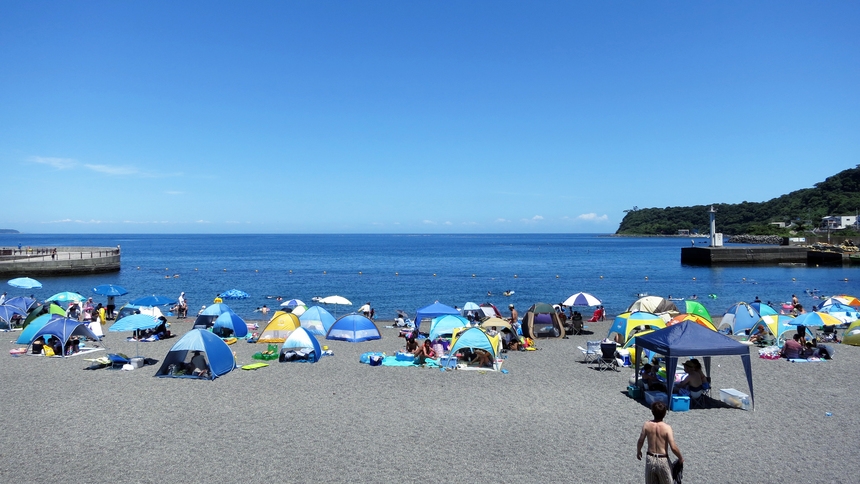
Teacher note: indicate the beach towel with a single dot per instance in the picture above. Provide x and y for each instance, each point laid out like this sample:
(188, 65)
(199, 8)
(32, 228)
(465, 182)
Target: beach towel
(254, 366)
(393, 361)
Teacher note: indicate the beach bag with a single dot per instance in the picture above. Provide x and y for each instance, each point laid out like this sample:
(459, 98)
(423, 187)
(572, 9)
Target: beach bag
(48, 350)
(376, 360)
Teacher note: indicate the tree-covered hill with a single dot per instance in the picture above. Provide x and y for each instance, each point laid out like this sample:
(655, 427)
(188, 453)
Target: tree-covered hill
(837, 195)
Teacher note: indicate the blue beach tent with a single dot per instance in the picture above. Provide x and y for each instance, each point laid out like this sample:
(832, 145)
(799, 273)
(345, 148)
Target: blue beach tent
(207, 318)
(301, 340)
(434, 310)
(316, 320)
(739, 319)
(230, 322)
(445, 325)
(474, 338)
(29, 333)
(64, 328)
(218, 355)
(354, 328)
(689, 339)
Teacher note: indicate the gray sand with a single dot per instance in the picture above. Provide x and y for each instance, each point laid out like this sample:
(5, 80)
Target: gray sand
(551, 418)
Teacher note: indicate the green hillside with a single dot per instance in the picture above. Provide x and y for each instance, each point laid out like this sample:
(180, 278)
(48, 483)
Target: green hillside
(837, 195)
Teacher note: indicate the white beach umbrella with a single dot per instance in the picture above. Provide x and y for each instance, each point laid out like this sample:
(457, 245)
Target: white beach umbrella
(582, 299)
(336, 300)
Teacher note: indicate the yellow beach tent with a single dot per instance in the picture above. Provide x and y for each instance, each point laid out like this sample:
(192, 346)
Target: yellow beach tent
(279, 327)
(852, 334)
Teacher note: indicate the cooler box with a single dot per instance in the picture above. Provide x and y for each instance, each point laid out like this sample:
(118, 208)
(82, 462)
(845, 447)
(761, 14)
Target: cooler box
(448, 362)
(137, 363)
(633, 391)
(735, 398)
(680, 404)
(651, 397)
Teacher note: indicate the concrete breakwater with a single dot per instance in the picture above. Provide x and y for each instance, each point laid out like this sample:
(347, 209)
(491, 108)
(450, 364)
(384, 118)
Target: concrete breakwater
(755, 239)
(58, 261)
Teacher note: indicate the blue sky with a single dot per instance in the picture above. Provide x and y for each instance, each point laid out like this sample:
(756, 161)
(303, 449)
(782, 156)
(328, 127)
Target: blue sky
(415, 116)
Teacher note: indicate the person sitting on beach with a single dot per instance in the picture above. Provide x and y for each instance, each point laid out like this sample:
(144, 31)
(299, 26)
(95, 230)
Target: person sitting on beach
(482, 358)
(759, 335)
(695, 380)
(650, 380)
(197, 366)
(792, 348)
(56, 345)
(423, 352)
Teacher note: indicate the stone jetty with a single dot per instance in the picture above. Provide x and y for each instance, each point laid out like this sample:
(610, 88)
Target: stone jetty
(58, 261)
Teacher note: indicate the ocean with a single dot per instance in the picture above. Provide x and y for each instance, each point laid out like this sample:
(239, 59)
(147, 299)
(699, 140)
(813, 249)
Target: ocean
(406, 272)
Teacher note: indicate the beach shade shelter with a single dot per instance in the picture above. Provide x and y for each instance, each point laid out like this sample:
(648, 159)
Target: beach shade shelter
(434, 310)
(842, 312)
(24, 283)
(66, 296)
(738, 319)
(654, 304)
(815, 320)
(6, 314)
(229, 324)
(541, 321)
(64, 328)
(476, 339)
(234, 294)
(472, 310)
(626, 324)
(135, 322)
(219, 357)
(354, 328)
(848, 300)
(303, 342)
(21, 302)
(298, 310)
(692, 340)
(695, 307)
(336, 300)
(694, 318)
(776, 325)
(153, 301)
(490, 311)
(316, 320)
(763, 309)
(207, 318)
(109, 290)
(445, 325)
(292, 303)
(581, 299)
(279, 327)
(852, 334)
(28, 334)
(497, 323)
(41, 309)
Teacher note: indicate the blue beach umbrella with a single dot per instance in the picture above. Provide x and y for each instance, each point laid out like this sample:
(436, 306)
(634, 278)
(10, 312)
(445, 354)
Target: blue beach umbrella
(66, 297)
(135, 322)
(153, 301)
(234, 294)
(109, 290)
(581, 299)
(25, 283)
(292, 303)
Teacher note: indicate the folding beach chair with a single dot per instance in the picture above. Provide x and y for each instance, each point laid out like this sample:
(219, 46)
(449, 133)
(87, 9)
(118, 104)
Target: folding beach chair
(607, 359)
(702, 398)
(118, 360)
(591, 352)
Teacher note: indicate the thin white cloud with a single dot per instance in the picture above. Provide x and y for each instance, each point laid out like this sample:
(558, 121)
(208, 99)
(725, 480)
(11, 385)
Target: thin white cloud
(58, 163)
(448, 223)
(68, 221)
(429, 222)
(537, 217)
(593, 217)
(113, 170)
(63, 221)
(470, 223)
(203, 222)
(502, 220)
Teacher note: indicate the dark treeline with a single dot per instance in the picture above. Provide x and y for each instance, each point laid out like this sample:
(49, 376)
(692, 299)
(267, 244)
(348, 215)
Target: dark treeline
(801, 210)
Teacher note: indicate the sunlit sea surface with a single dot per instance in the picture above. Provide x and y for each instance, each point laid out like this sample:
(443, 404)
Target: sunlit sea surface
(410, 271)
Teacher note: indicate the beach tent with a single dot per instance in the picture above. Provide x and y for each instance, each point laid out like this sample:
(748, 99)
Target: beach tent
(654, 304)
(432, 311)
(229, 324)
(21, 302)
(354, 328)
(690, 340)
(489, 311)
(7, 313)
(476, 339)
(541, 321)
(64, 328)
(316, 320)
(630, 346)
(42, 309)
(302, 341)
(694, 318)
(763, 309)
(29, 333)
(777, 325)
(207, 318)
(695, 307)
(219, 357)
(445, 325)
(852, 334)
(625, 324)
(279, 327)
(739, 318)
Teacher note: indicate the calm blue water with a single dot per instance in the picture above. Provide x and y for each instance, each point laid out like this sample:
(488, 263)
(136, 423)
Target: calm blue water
(410, 271)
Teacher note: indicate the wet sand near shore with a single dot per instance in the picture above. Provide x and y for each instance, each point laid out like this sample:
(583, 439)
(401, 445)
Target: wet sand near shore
(550, 418)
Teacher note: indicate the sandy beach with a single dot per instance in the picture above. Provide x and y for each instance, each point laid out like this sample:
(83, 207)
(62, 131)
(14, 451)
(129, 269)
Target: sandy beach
(551, 418)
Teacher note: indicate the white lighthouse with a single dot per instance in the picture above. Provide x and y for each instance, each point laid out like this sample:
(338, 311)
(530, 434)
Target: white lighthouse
(716, 239)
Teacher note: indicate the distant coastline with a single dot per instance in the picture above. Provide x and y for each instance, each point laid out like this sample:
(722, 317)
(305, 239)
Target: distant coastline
(9, 231)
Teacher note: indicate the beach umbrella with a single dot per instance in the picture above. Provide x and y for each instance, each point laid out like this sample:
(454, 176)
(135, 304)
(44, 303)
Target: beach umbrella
(815, 320)
(298, 310)
(842, 312)
(470, 306)
(848, 300)
(135, 322)
(692, 317)
(292, 303)
(109, 290)
(336, 300)
(25, 283)
(581, 299)
(66, 297)
(21, 302)
(234, 294)
(153, 301)
(695, 307)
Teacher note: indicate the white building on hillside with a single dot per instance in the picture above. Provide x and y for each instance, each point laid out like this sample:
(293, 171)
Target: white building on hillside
(838, 222)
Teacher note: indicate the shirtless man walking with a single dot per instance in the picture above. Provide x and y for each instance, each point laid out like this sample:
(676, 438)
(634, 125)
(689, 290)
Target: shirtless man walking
(660, 440)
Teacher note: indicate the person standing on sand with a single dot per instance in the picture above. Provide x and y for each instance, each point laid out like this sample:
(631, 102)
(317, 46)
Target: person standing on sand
(515, 317)
(658, 469)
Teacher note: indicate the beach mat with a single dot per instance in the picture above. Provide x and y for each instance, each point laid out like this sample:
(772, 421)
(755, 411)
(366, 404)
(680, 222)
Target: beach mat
(393, 361)
(254, 366)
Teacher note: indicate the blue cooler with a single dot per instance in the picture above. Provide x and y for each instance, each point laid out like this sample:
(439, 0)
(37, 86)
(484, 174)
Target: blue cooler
(680, 404)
